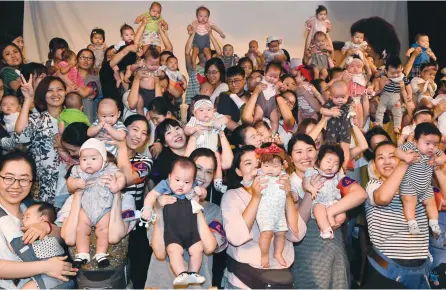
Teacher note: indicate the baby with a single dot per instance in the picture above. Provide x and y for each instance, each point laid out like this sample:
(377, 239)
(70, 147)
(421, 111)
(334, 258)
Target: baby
(98, 46)
(271, 211)
(420, 115)
(340, 109)
(255, 55)
(107, 127)
(266, 105)
(424, 86)
(422, 41)
(391, 89)
(11, 109)
(180, 220)
(416, 185)
(320, 56)
(90, 176)
(228, 57)
(316, 23)
(72, 112)
(202, 42)
(357, 44)
(127, 36)
(171, 70)
(205, 122)
(48, 247)
(273, 52)
(151, 32)
(329, 161)
(68, 67)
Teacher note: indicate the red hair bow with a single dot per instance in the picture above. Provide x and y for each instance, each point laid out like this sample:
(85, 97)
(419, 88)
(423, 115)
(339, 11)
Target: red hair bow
(272, 149)
(305, 72)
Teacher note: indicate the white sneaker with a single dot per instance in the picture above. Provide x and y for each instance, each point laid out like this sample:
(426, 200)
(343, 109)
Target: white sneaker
(195, 278)
(413, 228)
(327, 234)
(182, 279)
(436, 230)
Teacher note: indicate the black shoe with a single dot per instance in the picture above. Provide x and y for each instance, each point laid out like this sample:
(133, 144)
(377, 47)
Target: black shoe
(103, 262)
(79, 262)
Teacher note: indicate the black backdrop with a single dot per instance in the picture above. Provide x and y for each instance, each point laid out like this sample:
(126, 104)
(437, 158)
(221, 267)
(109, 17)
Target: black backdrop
(424, 16)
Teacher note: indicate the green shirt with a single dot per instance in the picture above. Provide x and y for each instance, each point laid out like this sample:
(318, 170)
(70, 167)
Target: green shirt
(152, 25)
(69, 116)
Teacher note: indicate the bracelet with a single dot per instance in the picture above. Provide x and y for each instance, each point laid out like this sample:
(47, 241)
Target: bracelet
(51, 227)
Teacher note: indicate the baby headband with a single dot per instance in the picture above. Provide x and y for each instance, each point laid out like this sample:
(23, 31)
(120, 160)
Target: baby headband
(202, 103)
(96, 144)
(305, 72)
(272, 149)
(351, 59)
(421, 111)
(273, 38)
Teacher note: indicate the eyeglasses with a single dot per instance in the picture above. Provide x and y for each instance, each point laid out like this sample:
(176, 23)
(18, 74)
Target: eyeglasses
(11, 180)
(212, 72)
(85, 58)
(235, 82)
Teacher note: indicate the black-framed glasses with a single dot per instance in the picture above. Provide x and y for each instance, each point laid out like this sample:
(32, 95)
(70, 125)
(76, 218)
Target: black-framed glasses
(235, 82)
(85, 58)
(8, 180)
(213, 72)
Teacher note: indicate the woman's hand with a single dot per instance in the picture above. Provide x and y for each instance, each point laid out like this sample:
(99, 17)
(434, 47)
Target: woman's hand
(110, 181)
(257, 186)
(165, 199)
(285, 183)
(27, 87)
(260, 87)
(156, 149)
(35, 231)
(411, 156)
(56, 267)
(117, 143)
(142, 73)
(313, 184)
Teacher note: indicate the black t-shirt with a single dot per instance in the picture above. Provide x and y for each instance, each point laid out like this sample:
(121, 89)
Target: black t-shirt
(162, 164)
(226, 106)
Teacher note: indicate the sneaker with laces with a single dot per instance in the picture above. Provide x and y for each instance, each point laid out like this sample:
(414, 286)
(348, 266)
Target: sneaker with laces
(181, 279)
(195, 278)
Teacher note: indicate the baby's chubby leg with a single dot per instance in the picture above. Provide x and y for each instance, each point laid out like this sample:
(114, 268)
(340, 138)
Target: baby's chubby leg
(196, 257)
(264, 244)
(258, 113)
(175, 252)
(274, 117)
(83, 232)
(30, 285)
(279, 245)
(409, 204)
(207, 53)
(102, 234)
(320, 214)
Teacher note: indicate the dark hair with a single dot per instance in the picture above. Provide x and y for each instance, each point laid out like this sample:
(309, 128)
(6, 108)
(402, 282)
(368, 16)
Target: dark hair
(300, 137)
(239, 134)
(320, 8)
(379, 34)
(338, 45)
(105, 54)
(34, 68)
(86, 49)
(18, 155)
(234, 71)
(204, 152)
(285, 76)
(73, 100)
(161, 106)
(152, 52)
(75, 134)
(428, 64)
(245, 59)
(302, 127)
(334, 70)
(274, 64)
(202, 8)
(46, 209)
(4, 47)
(393, 61)
(355, 29)
(125, 27)
(369, 154)
(166, 52)
(97, 31)
(134, 118)
(330, 148)
(319, 33)
(163, 127)
(220, 67)
(381, 144)
(317, 84)
(155, 4)
(233, 179)
(287, 54)
(42, 89)
(184, 162)
(55, 44)
(197, 98)
(426, 128)
(422, 110)
(417, 37)
(261, 123)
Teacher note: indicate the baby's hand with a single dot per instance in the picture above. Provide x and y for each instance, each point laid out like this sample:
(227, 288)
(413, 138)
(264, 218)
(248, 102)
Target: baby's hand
(335, 112)
(198, 193)
(223, 35)
(146, 214)
(165, 199)
(411, 156)
(106, 126)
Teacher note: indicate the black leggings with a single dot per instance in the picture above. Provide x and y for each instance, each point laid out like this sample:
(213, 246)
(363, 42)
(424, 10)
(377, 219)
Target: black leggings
(140, 253)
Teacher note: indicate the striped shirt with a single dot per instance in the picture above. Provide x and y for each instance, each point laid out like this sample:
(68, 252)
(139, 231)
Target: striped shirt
(208, 139)
(411, 183)
(193, 87)
(104, 136)
(142, 165)
(393, 87)
(388, 228)
(201, 28)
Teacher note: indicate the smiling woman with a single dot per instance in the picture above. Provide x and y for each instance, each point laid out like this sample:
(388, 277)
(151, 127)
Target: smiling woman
(11, 60)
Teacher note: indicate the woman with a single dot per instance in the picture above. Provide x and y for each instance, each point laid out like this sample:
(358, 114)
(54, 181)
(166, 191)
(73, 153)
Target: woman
(57, 46)
(246, 135)
(38, 70)
(320, 263)
(389, 262)
(91, 94)
(38, 132)
(239, 207)
(11, 62)
(210, 225)
(289, 82)
(136, 167)
(106, 77)
(215, 76)
(246, 64)
(21, 170)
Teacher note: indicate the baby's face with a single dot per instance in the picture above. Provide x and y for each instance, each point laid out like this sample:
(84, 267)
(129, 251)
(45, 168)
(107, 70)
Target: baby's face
(253, 46)
(181, 180)
(31, 216)
(355, 67)
(152, 64)
(172, 64)
(423, 118)
(108, 112)
(393, 72)
(320, 41)
(204, 114)
(428, 144)
(339, 95)
(274, 46)
(264, 132)
(322, 16)
(272, 75)
(329, 163)
(206, 89)
(128, 35)
(272, 168)
(97, 39)
(429, 73)
(155, 11)
(72, 60)
(228, 50)
(10, 104)
(90, 161)
(423, 41)
(202, 17)
(358, 38)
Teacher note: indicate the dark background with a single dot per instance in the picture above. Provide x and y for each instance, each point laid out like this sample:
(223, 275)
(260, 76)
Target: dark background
(423, 16)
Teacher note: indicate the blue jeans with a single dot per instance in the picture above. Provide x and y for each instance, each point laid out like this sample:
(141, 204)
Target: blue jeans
(437, 247)
(409, 277)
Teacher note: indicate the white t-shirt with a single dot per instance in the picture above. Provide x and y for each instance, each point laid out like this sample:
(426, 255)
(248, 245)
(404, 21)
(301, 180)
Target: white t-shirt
(223, 87)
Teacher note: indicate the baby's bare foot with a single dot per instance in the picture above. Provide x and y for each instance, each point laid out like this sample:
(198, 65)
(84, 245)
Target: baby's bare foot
(264, 261)
(280, 259)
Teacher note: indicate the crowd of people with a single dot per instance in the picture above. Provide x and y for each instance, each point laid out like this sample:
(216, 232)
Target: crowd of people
(324, 170)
